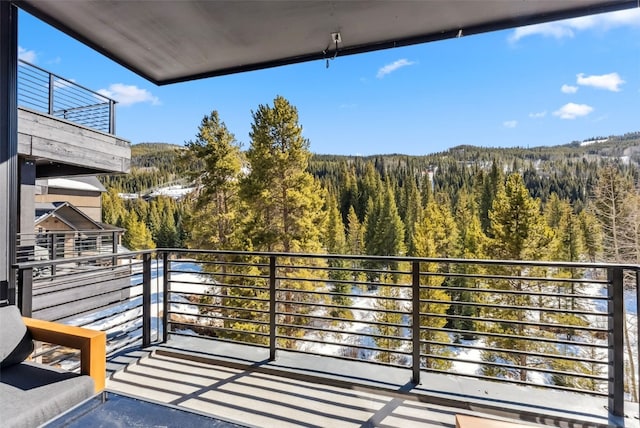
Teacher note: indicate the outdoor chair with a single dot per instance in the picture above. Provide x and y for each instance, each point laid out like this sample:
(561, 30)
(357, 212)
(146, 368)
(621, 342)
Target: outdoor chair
(32, 393)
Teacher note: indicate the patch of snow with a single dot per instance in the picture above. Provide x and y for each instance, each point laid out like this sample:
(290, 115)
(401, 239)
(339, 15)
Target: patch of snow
(175, 192)
(67, 183)
(589, 142)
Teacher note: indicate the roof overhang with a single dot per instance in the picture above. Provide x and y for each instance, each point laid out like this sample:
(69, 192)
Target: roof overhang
(173, 41)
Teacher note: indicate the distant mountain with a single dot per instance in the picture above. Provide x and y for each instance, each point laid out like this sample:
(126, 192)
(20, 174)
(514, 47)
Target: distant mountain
(155, 164)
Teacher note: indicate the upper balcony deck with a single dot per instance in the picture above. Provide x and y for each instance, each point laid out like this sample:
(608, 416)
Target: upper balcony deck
(66, 128)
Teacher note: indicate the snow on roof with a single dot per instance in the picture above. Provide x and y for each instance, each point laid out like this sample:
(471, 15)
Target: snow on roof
(78, 183)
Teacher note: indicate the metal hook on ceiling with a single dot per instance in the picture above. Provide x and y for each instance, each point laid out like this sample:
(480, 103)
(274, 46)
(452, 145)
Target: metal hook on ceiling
(336, 38)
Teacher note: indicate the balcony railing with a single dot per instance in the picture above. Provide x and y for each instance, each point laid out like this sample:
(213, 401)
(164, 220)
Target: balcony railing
(46, 92)
(560, 326)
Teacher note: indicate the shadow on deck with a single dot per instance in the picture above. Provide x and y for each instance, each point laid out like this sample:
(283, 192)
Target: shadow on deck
(238, 382)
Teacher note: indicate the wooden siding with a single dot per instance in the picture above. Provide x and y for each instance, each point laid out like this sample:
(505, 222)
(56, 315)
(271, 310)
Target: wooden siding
(89, 205)
(41, 136)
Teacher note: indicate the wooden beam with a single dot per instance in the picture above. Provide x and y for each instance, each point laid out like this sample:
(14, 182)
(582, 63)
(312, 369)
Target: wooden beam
(91, 343)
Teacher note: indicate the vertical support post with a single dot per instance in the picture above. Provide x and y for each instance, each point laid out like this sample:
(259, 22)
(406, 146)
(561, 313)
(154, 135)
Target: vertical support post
(8, 148)
(616, 340)
(114, 247)
(272, 309)
(146, 300)
(54, 252)
(415, 321)
(165, 296)
(112, 117)
(25, 292)
(51, 93)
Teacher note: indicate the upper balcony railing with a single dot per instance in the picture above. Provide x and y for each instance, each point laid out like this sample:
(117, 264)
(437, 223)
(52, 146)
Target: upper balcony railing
(64, 244)
(46, 92)
(558, 326)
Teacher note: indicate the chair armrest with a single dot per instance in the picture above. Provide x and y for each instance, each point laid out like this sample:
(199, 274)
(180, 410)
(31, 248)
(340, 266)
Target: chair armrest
(91, 343)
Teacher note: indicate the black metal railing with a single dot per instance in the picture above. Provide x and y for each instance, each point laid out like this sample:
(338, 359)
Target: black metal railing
(110, 292)
(52, 245)
(49, 93)
(557, 326)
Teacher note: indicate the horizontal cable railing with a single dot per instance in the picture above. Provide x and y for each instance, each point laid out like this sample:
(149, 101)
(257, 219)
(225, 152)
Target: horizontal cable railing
(46, 92)
(559, 326)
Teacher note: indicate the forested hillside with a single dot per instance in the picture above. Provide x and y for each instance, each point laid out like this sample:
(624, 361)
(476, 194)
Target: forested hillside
(558, 178)
(577, 202)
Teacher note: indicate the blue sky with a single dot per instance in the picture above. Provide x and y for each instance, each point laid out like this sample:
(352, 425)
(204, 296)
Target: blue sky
(540, 85)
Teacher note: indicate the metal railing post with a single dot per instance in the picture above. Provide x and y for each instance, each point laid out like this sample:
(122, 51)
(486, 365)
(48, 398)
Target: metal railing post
(146, 299)
(54, 253)
(272, 308)
(415, 323)
(112, 117)
(25, 291)
(165, 296)
(51, 92)
(616, 340)
(114, 247)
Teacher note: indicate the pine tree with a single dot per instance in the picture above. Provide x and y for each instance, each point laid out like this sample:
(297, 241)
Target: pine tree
(137, 237)
(384, 233)
(355, 236)
(336, 244)
(389, 328)
(412, 213)
(591, 234)
(113, 209)
(519, 233)
(216, 205)
(435, 234)
(471, 244)
(284, 205)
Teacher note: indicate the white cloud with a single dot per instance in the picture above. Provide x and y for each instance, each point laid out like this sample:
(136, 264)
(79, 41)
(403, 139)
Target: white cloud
(568, 89)
(127, 95)
(610, 82)
(572, 110)
(26, 55)
(510, 123)
(390, 68)
(538, 115)
(569, 27)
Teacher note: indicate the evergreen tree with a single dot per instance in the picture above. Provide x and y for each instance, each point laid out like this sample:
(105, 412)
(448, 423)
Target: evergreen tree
(113, 209)
(384, 233)
(389, 324)
(433, 240)
(355, 236)
(137, 237)
(412, 213)
(471, 244)
(519, 233)
(518, 229)
(284, 205)
(217, 162)
(591, 234)
(491, 183)
(336, 244)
